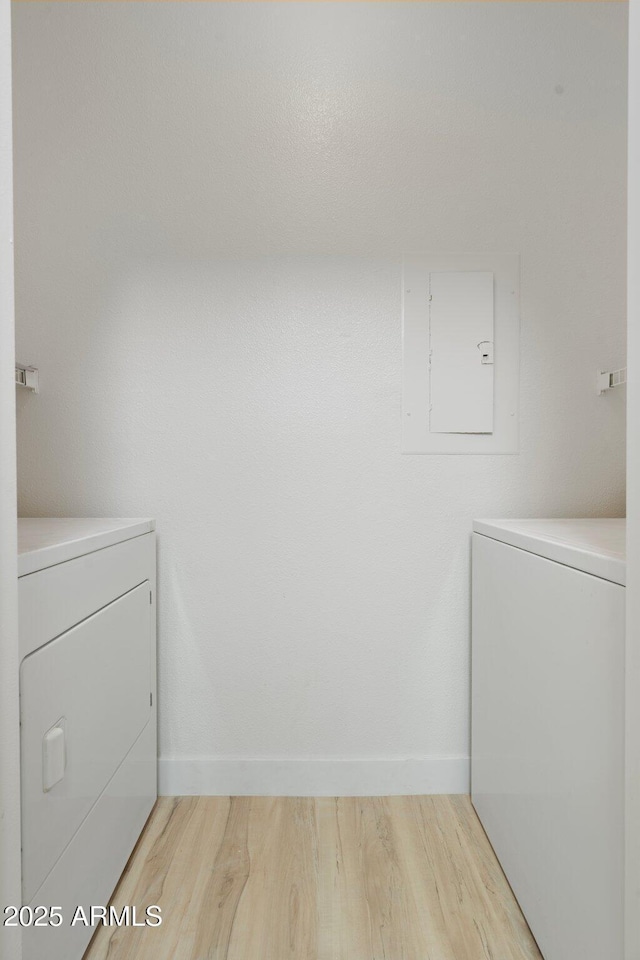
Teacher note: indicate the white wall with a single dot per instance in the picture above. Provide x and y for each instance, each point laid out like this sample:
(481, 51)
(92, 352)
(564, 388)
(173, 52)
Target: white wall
(9, 705)
(632, 813)
(212, 205)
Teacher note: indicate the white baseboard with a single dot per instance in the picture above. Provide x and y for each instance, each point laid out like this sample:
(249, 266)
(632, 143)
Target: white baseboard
(312, 778)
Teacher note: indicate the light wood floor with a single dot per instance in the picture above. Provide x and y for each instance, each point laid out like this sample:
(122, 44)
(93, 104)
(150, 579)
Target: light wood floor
(246, 878)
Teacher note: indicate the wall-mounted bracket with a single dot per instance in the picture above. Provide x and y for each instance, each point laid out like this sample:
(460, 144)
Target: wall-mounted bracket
(27, 377)
(606, 379)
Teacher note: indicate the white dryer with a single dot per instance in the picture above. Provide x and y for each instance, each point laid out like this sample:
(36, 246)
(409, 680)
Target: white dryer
(88, 715)
(548, 723)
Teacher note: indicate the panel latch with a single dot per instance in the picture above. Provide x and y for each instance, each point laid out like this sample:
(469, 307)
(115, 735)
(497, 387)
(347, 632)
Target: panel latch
(486, 351)
(54, 755)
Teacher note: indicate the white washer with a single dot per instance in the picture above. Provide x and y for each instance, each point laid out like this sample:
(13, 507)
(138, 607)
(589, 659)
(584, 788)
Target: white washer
(548, 723)
(87, 712)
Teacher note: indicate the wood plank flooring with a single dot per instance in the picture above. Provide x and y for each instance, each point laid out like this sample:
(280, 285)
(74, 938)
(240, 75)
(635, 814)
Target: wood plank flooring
(264, 878)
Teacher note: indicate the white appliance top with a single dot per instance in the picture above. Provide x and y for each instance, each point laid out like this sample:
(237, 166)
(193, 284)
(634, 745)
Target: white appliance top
(594, 546)
(45, 541)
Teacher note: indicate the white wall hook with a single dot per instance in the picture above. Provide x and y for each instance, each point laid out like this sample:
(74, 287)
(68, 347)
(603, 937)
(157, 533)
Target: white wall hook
(27, 377)
(606, 379)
